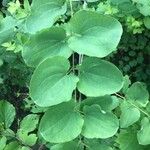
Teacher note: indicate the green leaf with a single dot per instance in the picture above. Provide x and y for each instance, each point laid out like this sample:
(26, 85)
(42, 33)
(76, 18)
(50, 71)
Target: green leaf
(138, 93)
(26, 123)
(143, 6)
(127, 141)
(94, 34)
(73, 145)
(27, 139)
(50, 84)
(12, 146)
(95, 144)
(7, 26)
(47, 43)
(3, 141)
(99, 124)
(91, 1)
(7, 113)
(61, 123)
(143, 134)
(147, 22)
(107, 102)
(44, 14)
(126, 84)
(99, 77)
(129, 115)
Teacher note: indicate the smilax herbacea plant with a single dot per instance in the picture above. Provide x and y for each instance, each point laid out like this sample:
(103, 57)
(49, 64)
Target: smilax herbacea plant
(87, 101)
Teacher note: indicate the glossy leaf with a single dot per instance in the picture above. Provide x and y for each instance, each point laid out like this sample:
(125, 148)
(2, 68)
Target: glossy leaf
(61, 123)
(44, 14)
(47, 43)
(129, 115)
(99, 77)
(99, 124)
(7, 113)
(50, 84)
(94, 34)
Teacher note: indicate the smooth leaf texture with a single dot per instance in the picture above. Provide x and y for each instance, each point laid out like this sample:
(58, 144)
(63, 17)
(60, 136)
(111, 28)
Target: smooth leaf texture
(61, 123)
(138, 93)
(147, 22)
(50, 84)
(94, 34)
(127, 140)
(47, 43)
(12, 146)
(73, 145)
(96, 144)
(3, 141)
(99, 124)
(107, 102)
(143, 6)
(99, 77)
(129, 115)
(44, 14)
(27, 139)
(7, 26)
(25, 124)
(143, 134)
(7, 113)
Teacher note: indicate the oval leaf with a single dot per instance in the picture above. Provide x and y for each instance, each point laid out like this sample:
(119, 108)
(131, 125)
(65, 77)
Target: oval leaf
(138, 93)
(99, 77)
(47, 43)
(50, 84)
(99, 124)
(94, 34)
(7, 113)
(61, 123)
(126, 119)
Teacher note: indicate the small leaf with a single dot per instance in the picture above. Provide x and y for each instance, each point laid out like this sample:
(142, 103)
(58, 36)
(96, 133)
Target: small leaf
(7, 113)
(50, 84)
(47, 43)
(127, 141)
(99, 124)
(27, 139)
(12, 146)
(3, 141)
(44, 14)
(126, 84)
(26, 123)
(107, 102)
(96, 144)
(129, 115)
(99, 77)
(143, 134)
(7, 26)
(61, 123)
(94, 34)
(138, 93)
(73, 145)
(147, 22)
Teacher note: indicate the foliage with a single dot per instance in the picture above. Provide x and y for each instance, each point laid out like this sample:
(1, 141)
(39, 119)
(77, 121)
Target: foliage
(74, 75)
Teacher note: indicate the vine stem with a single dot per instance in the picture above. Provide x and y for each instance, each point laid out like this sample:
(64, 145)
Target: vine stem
(80, 62)
(133, 105)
